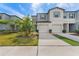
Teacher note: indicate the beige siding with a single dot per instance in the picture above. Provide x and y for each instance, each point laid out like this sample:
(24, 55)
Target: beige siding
(56, 20)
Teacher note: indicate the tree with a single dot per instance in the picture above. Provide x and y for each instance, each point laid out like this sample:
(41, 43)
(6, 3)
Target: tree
(27, 25)
(18, 24)
(14, 24)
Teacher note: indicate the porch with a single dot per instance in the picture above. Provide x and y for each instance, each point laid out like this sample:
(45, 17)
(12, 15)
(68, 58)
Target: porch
(69, 27)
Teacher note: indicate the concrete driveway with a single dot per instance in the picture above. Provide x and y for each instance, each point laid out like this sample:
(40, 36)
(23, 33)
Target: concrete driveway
(49, 39)
(53, 41)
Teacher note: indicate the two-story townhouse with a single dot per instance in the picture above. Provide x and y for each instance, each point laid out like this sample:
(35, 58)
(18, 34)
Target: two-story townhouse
(57, 19)
(4, 16)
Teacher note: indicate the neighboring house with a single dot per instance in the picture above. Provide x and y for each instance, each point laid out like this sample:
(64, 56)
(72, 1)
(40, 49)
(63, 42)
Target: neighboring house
(34, 21)
(4, 16)
(14, 17)
(57, 19)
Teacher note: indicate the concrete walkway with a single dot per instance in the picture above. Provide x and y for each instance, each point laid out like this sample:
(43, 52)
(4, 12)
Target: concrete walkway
(73, 37)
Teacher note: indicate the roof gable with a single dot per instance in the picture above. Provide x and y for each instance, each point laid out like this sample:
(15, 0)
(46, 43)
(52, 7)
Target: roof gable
(56, 8)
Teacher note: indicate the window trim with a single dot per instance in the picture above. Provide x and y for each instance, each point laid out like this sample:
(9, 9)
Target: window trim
(64, 17)
(71, 15)
(42, 16)
(56, 14)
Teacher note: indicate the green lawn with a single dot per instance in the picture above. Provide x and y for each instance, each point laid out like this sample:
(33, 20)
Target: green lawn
(12, 40)
(69, 41)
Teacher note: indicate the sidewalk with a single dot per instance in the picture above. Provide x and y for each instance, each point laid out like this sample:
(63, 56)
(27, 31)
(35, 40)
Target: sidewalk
(58, 51)
(18, 50)
(39, 51)
(73, 37)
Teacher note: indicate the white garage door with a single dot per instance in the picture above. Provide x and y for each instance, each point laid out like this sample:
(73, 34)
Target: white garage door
(44, 31)
(44, 28)
(56, 28)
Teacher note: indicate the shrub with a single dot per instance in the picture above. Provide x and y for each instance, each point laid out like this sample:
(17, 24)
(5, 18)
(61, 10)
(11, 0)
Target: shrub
(77, 31)
(50, 30)
(37, 30)
(4, 21)
(64, 31)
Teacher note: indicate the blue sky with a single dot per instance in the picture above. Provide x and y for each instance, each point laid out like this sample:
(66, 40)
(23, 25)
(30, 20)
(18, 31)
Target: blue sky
(24, 9)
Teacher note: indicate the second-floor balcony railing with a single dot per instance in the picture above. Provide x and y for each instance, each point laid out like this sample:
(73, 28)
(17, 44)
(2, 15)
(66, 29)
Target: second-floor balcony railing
(69, 20)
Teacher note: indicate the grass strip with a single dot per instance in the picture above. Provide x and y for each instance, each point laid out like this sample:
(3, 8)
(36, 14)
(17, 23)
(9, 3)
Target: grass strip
(67, 40)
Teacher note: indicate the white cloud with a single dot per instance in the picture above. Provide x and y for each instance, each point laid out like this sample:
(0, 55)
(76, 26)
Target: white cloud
(11, 10)
(68, 6)
(37, 8)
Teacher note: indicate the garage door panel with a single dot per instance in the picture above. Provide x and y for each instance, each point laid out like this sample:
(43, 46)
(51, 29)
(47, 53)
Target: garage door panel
(43, 28)
(56, 28)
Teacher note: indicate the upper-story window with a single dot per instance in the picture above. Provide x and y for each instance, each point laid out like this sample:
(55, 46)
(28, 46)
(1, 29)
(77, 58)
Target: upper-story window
(65, 17)
(56, 14)
(0, 17)
(71, 15)
(42, 17)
